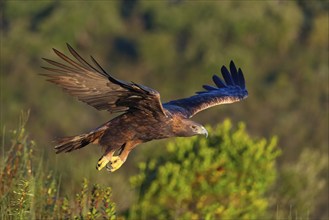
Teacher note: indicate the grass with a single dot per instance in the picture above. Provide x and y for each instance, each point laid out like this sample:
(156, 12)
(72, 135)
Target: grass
(28, 190)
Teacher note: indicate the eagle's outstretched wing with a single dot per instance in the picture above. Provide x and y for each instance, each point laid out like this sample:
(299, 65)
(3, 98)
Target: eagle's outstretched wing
(94, 86)
(232, 90)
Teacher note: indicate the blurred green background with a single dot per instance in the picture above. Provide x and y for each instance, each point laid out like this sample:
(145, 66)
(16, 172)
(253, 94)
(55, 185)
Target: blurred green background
(174, 47)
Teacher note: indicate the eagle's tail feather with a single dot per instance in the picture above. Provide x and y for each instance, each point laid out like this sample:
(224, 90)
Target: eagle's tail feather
(68, 144)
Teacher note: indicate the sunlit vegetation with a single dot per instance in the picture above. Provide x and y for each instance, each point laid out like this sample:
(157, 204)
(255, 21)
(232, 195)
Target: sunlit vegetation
(225, 176)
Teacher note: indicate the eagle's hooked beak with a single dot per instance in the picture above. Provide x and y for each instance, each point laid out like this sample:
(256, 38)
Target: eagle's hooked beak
(204, 131)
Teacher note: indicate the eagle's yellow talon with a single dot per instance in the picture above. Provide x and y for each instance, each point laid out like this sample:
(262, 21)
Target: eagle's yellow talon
(114, 164)
(102, 163)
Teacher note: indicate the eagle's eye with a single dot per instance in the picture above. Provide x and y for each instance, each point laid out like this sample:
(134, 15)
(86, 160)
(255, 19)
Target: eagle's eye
(193, 127)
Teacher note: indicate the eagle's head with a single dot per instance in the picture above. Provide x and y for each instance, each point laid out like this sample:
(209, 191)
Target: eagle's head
(187, 128)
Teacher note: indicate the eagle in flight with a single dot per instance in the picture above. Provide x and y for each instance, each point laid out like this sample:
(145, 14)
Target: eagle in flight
(144, 117)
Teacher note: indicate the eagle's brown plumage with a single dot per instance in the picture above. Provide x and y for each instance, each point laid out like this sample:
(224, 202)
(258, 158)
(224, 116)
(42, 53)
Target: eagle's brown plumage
(144, 117)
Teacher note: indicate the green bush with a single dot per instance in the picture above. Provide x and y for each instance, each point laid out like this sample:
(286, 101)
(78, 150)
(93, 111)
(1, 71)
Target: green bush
(29, 191)
(223, 177)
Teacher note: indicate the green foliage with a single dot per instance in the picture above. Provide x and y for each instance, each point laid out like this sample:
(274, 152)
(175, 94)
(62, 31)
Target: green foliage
(223, 177)
(28, 192)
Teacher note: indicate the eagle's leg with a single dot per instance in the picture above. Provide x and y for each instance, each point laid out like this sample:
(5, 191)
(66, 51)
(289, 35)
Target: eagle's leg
(105, 159)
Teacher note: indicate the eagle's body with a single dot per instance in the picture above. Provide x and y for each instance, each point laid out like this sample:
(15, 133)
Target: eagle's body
(144, 117)
(124, 128)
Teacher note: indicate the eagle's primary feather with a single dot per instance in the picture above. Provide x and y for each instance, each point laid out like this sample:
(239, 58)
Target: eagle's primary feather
(144, 117)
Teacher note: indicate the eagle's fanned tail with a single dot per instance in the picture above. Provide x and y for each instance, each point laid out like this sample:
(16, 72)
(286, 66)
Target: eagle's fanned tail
(68, 144)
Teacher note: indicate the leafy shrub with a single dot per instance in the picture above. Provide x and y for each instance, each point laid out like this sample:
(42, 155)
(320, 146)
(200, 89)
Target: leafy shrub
(223, 177)
(28, 192)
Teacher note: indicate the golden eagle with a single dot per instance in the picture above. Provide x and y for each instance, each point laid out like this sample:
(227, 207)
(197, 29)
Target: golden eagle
(144, 117)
